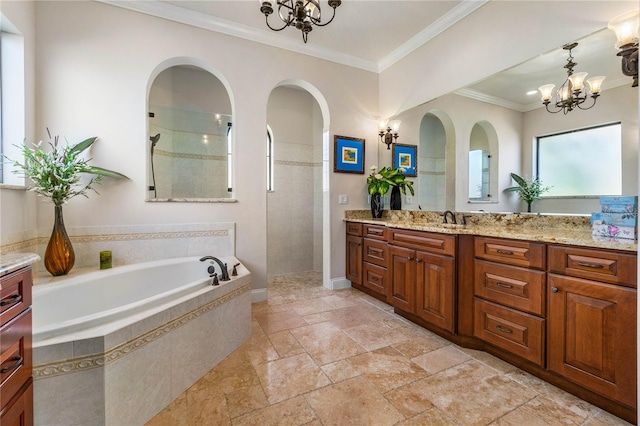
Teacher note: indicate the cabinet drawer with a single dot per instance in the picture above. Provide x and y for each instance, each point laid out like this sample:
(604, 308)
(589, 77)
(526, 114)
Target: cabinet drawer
(600, 265)
(15, 294)
(15, 354)
(375, 278)
(354, 229)
(519, 333)
(424, 241)
(511, 252)
(375, 232)
(376, 252)
(518, 288)
(19, 411)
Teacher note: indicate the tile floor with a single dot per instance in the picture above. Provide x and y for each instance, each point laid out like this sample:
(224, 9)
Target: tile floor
(321, 357)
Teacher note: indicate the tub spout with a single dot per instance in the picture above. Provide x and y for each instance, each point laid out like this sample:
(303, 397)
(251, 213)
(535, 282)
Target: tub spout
(223, 267)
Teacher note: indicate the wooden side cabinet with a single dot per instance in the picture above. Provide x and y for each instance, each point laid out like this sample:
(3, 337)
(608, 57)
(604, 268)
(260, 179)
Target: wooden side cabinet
(354, 259)
(592, 335)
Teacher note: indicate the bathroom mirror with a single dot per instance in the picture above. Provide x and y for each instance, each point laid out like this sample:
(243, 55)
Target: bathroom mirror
(470, 140)
(189, 149)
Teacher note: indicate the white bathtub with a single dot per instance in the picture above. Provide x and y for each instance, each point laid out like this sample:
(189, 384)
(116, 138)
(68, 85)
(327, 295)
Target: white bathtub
(115, 347)
(87, 305)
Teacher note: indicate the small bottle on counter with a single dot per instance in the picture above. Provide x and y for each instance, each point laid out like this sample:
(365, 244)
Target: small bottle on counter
(105, 259)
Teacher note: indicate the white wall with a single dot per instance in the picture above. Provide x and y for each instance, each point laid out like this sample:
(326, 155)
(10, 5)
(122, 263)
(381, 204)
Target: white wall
(94, 67)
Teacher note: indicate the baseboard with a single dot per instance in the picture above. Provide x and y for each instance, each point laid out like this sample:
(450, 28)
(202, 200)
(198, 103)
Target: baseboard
(339, 283)
(259, 295)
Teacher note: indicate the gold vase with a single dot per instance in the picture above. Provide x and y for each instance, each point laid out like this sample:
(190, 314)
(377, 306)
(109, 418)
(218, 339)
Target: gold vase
(59, 256)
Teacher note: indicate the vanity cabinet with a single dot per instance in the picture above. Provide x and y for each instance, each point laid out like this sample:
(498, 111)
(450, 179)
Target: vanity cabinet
(16, 391)
(375, 260)
(592, 320)
(509, 289)
(354, 253)
(423, 276)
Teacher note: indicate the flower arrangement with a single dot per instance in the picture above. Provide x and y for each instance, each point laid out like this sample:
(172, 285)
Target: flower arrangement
(528, 190)
(380, 182)
(56, 173)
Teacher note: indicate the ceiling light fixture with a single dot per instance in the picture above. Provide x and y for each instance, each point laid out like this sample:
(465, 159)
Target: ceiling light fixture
(573, 92)
(390, 134)
(626, 28)
(302, 14)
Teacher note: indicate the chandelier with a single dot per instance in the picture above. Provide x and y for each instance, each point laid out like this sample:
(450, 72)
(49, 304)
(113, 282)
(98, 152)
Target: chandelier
(626, 28)
(303, 14)
(573, 93)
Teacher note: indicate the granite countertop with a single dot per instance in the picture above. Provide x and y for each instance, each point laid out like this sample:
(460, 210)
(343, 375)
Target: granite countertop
(13, 261)
(569, 230)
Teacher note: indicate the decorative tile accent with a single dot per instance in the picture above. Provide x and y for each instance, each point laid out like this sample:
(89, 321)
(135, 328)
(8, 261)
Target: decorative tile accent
(57, 368)
(190, 156)
(298, 163)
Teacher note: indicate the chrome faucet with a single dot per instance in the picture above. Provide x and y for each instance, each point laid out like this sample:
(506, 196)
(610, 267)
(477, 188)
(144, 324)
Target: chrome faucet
(453, 217)
(211, 269)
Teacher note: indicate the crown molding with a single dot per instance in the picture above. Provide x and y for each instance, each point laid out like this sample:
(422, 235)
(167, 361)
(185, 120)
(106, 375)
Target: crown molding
(207, 22)
(483, 97)
(462, 10)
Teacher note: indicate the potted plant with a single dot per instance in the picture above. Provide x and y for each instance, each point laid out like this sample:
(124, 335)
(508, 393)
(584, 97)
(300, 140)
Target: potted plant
(379, 184)
(528, 190)
(56, 174)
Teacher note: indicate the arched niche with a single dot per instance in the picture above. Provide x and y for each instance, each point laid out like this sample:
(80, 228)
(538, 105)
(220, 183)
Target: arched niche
(483, 162)
(189, 148)
(436, 162)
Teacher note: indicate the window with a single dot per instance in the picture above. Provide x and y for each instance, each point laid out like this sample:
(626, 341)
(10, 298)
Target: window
(270, 172)
(583, 162)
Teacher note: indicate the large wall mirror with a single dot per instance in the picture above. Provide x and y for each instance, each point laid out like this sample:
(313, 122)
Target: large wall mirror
(495, 124)
(189, 150)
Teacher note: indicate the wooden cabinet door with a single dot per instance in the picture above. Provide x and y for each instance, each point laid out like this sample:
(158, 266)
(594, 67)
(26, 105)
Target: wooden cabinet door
(435, 283)
(354, 259)
(403, 279)
(592, 335)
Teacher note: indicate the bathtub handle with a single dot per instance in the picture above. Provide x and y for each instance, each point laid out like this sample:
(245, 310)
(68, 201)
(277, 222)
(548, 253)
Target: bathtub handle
(17, 362)
(16, 298)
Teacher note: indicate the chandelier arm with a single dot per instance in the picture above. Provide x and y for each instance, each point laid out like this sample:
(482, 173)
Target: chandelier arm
(286, 24)
(553, 112)
(317, 23)
(589, 107)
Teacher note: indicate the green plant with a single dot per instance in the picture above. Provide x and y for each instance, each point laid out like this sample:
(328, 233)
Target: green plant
(528, 190)
(382, 181)
(55, 174)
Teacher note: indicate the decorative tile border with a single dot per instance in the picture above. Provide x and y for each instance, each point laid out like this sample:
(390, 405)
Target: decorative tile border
(298, 163)
(57, 368)
(190, 156)
(21, 245)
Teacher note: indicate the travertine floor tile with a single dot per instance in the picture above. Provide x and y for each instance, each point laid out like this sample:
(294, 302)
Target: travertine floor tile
(488, 359)
(374, 335)
(387, 368)
(289, 377)
(326, 343)
(411, 399)
(441, 359)
(339, 371)
(246, 400)
(416, 346)
(335, 404)
(293, 412)
(540, 411)
(432, 417)
(272, 323)
(285, 344)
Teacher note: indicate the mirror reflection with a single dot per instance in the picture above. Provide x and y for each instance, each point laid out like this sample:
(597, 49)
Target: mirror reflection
(471, 140)
(190, 137)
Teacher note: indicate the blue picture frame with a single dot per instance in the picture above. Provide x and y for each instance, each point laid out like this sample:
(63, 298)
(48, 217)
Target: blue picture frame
(406, 156)
(348, 154)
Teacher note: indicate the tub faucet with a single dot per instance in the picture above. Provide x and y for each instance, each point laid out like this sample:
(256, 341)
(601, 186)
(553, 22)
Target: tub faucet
(453, 217)
(223, 267)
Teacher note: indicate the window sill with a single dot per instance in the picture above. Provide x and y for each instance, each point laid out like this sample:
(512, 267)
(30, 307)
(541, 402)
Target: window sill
(13, 187)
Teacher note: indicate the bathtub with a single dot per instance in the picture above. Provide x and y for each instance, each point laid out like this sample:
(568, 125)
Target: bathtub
(93, 332)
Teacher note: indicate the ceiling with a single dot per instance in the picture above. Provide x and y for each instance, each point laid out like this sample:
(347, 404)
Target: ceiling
(374, 34)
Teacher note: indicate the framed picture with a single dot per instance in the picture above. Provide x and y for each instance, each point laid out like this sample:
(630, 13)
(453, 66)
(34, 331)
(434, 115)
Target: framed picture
(348, 154)
(406, 156)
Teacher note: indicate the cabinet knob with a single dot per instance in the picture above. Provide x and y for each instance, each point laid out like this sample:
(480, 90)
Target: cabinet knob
(409, 258)
(554, 289)
(418, 260)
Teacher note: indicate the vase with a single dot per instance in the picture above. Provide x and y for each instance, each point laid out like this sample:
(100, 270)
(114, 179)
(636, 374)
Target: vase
(396, 199)
(376, 206)
(59, 256)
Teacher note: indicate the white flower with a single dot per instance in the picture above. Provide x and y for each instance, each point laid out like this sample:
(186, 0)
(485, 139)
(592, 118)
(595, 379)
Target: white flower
(373, 169)
(377, 176)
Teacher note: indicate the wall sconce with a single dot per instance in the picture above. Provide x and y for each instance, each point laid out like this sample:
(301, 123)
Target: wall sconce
(626, 28)
(391, 134)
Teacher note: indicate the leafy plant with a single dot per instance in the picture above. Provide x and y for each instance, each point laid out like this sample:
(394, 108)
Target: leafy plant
(56, 173)
(382, 181)
(528, 190)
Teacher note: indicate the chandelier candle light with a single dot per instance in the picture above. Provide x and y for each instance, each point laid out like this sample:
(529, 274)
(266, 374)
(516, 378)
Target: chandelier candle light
(626, 28)
(303, 14)
(573, 93)
(391, 134)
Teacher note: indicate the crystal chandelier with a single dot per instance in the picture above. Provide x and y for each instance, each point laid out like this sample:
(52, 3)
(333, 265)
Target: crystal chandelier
(303, 14)
(573, 93)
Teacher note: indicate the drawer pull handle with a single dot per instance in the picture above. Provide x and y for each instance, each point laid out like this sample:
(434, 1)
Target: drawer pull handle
(17, 362)
(508, 252)
(16, 298)
(554, 289)
(499, 284)
(590, 265)
(504, 330)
